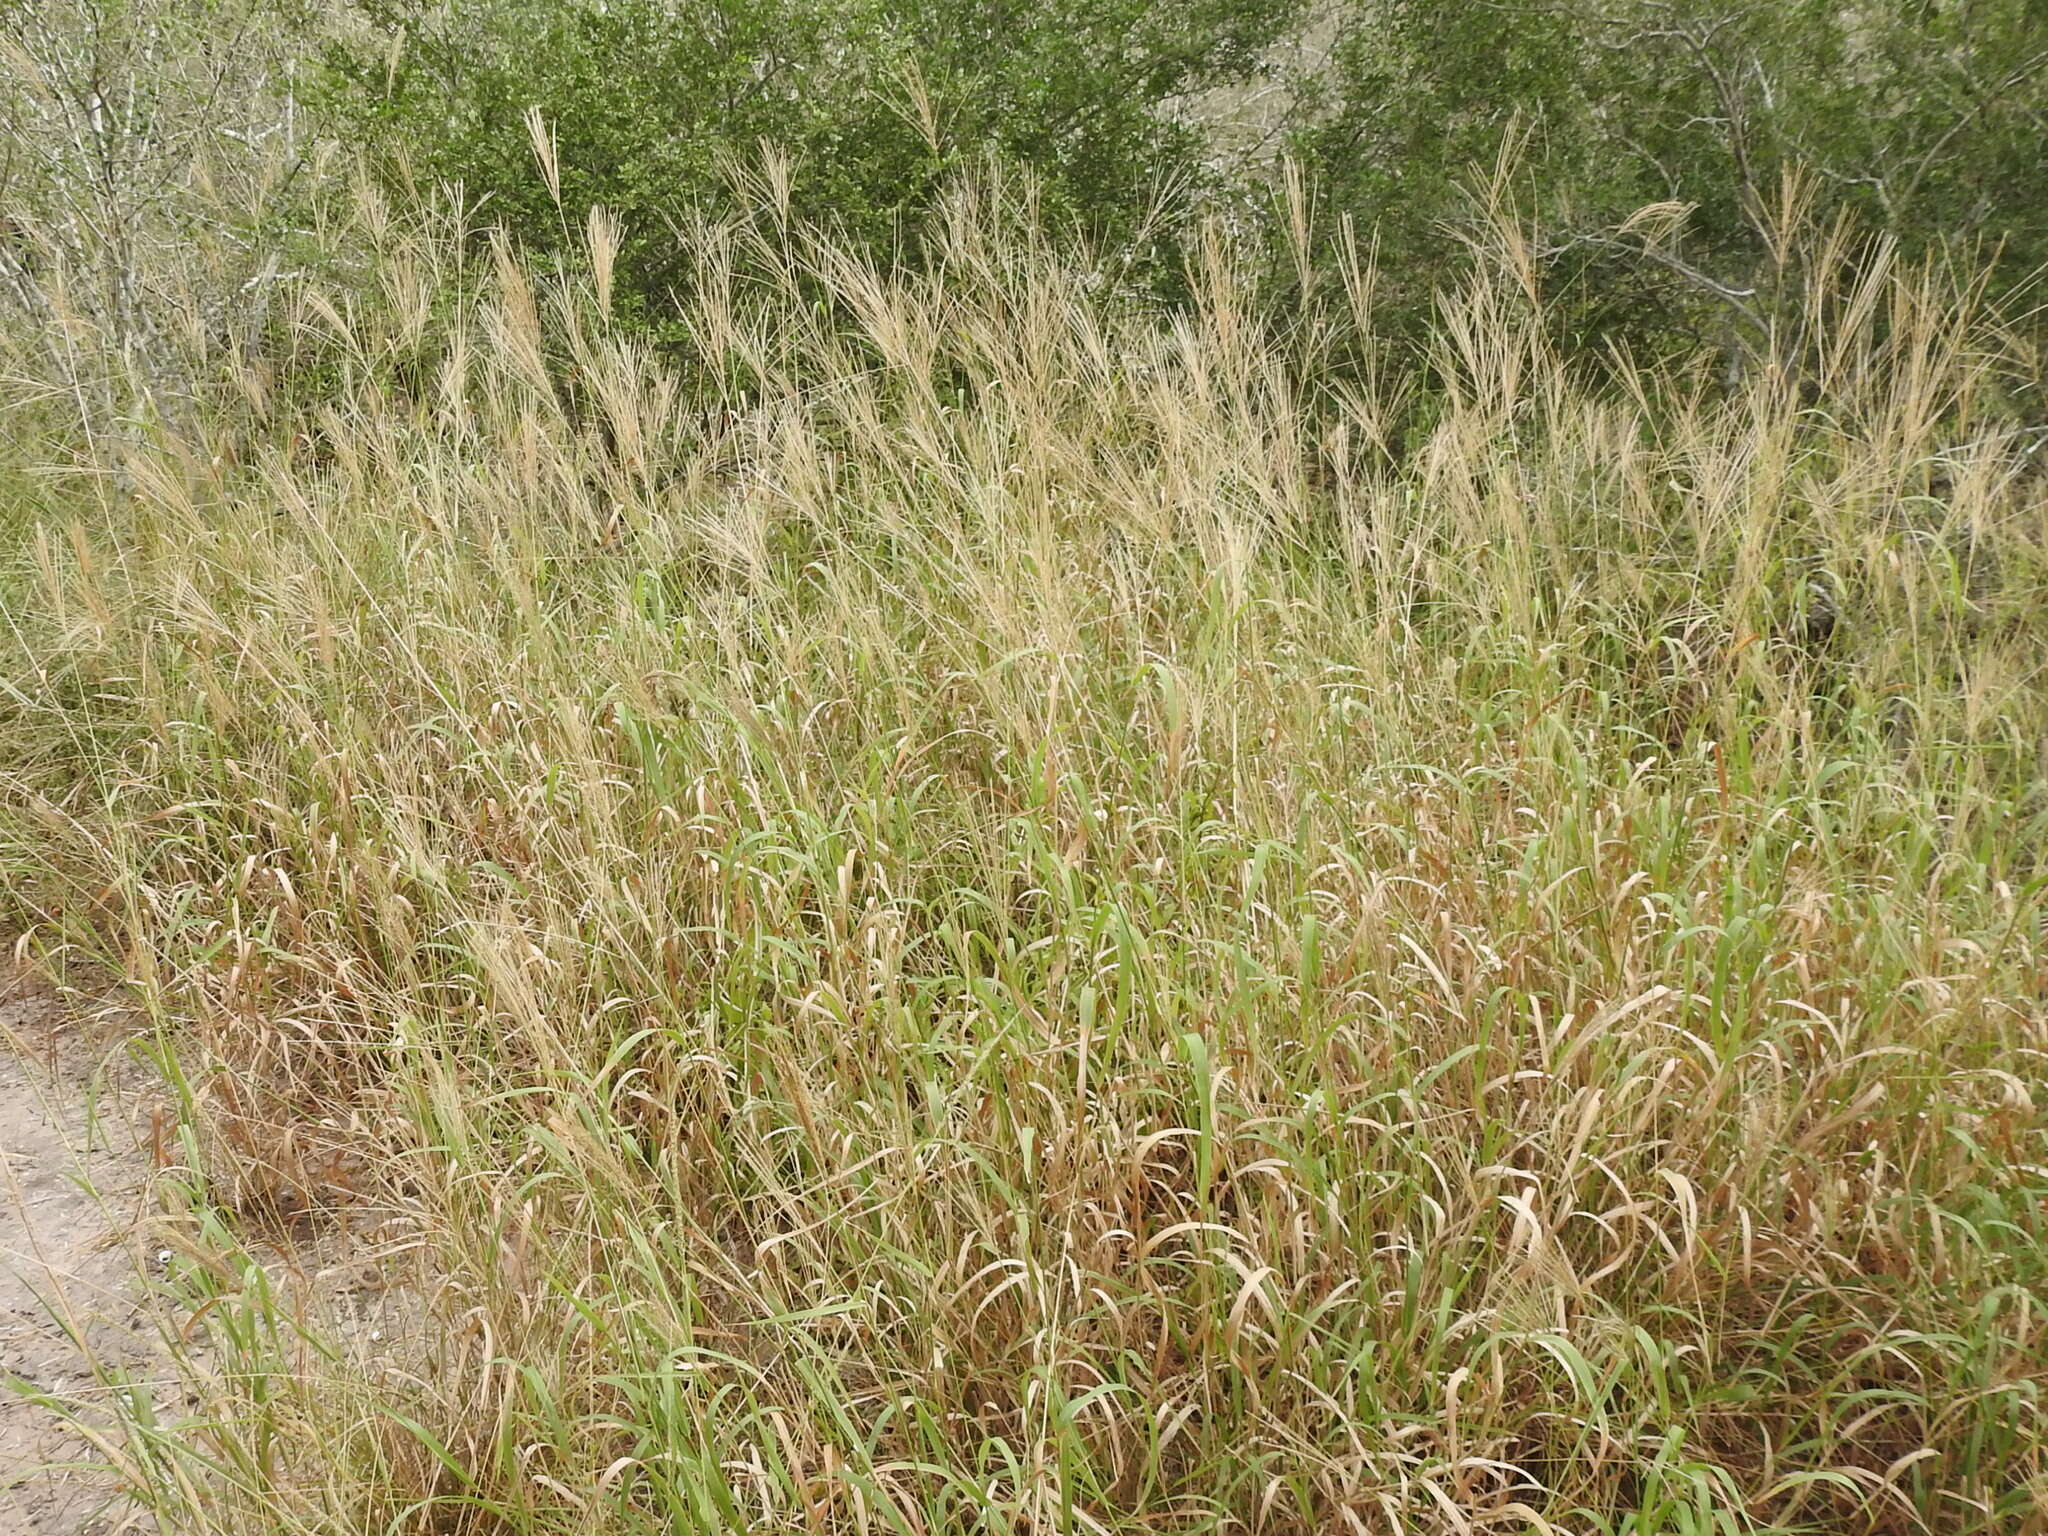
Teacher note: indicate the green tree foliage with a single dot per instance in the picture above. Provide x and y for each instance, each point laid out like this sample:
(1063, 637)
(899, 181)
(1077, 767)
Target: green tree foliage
(1924, 119)
(877, 102)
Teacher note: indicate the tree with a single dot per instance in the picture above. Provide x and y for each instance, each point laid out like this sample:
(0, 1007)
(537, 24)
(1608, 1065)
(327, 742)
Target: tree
(1925, 120)
(143, 146)
(877, 102)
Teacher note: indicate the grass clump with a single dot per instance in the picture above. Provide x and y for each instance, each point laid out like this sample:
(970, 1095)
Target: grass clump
(991, 912)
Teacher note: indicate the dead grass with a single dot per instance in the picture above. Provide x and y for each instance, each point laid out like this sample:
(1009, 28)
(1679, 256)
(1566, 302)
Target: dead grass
(988, 912)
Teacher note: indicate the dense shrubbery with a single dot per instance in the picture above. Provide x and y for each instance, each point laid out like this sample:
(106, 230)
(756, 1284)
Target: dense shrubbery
(1923, 123)
(1678, 165)
(657, 110)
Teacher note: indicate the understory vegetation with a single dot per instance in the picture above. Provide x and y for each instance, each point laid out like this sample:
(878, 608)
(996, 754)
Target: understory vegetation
(935, 898)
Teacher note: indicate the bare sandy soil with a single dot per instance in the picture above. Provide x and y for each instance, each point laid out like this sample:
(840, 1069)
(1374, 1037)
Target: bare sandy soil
(74, 1170)
(80, 1124)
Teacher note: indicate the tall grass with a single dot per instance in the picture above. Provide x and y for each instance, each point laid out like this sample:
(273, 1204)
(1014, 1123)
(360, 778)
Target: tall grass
(989, 912)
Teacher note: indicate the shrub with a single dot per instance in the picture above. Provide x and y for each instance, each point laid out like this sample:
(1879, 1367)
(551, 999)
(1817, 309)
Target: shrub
(876, 102)
(1739, 121)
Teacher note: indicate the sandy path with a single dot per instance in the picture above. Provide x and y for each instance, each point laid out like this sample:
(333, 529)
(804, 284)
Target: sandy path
(76, 1127)
(70, 1190)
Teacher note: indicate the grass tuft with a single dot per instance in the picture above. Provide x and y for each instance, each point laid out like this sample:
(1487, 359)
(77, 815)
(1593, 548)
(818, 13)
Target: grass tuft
(985, 911)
